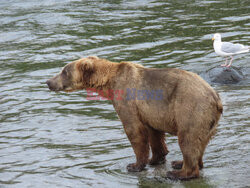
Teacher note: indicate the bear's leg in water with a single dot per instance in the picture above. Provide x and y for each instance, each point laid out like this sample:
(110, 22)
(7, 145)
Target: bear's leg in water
(158, 146)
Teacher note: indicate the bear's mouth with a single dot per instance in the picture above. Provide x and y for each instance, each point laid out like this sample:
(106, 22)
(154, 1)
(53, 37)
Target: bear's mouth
(52, 88)
(68, 89)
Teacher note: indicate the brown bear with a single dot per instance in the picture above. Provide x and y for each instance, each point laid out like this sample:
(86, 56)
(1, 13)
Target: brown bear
(153, 101)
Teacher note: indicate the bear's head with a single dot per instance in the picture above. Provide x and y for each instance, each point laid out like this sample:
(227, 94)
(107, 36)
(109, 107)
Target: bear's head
(74, 76)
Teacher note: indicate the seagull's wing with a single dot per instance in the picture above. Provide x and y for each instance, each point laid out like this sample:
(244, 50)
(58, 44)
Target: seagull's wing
(229, 47)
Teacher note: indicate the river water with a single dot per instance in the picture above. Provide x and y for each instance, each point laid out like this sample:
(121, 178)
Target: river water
(63, 140)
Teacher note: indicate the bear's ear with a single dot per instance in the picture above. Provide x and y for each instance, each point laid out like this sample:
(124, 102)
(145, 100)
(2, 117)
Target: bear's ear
(93, 57)
(87, 66)
(86, 69)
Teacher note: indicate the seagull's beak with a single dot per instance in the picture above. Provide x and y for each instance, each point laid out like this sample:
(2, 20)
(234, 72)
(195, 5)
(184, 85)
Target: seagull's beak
(213, 38)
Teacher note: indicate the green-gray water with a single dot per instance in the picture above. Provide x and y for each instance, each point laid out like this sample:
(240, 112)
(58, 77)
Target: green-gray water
(62, 140)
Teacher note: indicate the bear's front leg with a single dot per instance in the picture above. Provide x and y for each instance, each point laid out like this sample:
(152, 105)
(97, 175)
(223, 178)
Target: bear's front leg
(135, 167)
(138, 137)
(136, 131)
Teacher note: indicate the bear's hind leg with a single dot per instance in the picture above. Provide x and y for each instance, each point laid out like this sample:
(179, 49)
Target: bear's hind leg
(178, 164)
(191, 156)
(158, 146)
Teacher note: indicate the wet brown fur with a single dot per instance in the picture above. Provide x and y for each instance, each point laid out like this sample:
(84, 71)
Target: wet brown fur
(189, 109)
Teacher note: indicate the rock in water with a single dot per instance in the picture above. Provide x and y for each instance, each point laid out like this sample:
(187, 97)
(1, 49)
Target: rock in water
(223, 75)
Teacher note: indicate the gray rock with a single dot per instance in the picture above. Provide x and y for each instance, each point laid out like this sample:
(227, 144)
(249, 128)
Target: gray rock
(223, 75)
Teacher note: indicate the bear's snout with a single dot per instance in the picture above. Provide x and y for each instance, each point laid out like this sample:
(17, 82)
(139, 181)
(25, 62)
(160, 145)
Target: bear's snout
(53, 85)
(49, 83)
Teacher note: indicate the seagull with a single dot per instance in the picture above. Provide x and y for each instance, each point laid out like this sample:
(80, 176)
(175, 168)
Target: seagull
(226, 49)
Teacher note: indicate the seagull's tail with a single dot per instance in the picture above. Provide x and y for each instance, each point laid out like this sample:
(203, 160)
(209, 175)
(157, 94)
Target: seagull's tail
(245, 49)
(248, 48)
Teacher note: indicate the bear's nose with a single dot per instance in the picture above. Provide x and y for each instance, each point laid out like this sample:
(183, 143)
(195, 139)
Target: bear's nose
(48, 82)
